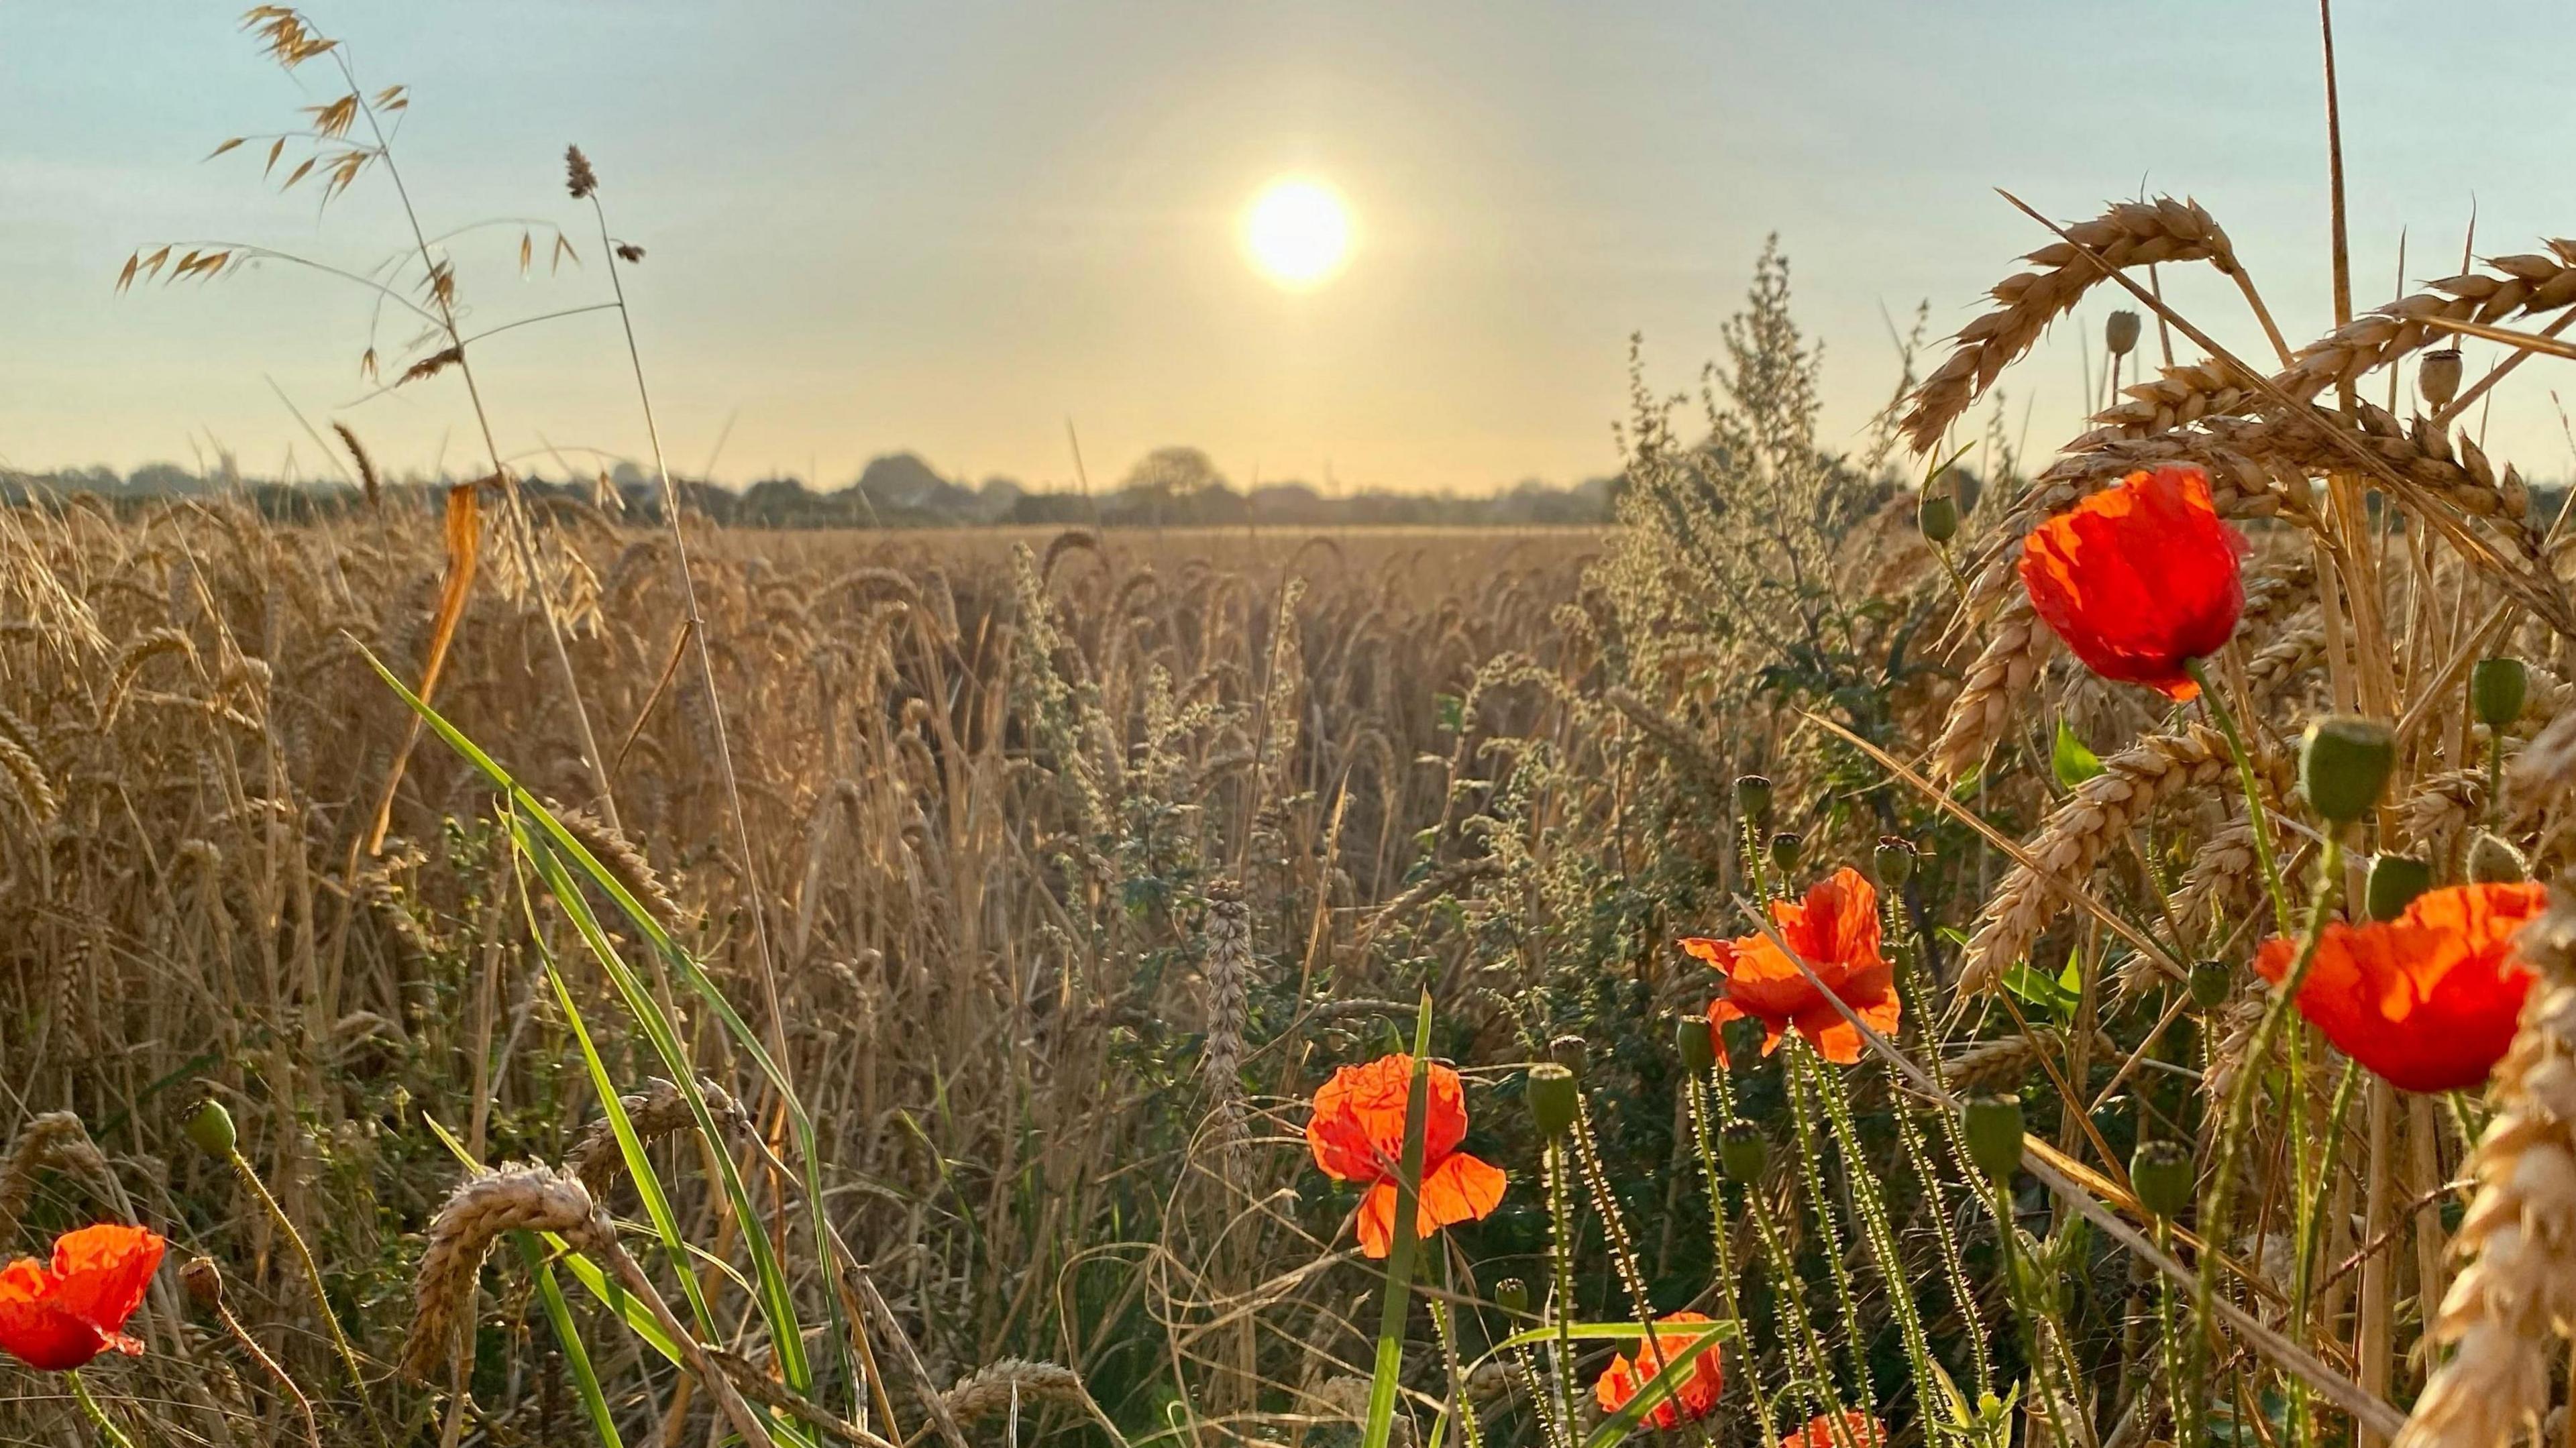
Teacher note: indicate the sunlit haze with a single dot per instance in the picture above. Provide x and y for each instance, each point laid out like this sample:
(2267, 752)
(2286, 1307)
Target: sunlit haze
(953, 228)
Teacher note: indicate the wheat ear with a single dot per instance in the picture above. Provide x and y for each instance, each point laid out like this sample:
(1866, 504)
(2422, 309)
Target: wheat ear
(2063, 854)
(2131, 233)
(2506, 1307)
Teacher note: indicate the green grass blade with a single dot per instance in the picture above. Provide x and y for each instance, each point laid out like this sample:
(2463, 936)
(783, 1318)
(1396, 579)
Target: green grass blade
(648, 1185)
(1399, 1256)
(1656, 1389)
(777, 1300)
(576, 1357)
(790, 1347)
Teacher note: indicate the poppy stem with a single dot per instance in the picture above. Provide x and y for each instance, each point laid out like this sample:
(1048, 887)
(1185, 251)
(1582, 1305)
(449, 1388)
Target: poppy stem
(1560, 1215)
(1722, 1251)
(2217, 1206)
(97, 1415)
(2265, 856)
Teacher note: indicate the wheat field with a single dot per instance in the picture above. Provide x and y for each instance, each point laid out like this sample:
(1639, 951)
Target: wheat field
(1883, 943)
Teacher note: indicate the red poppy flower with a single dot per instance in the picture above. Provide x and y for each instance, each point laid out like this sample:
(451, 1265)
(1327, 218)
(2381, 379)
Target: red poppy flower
(1696, 1397)
(2140, 578)
(58, 1317)
(1859, 1430)
(1357, 1133)
(2428, 1000)
(1835, 930)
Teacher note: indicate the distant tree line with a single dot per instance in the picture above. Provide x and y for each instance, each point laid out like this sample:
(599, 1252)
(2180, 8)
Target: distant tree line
(1171, 487)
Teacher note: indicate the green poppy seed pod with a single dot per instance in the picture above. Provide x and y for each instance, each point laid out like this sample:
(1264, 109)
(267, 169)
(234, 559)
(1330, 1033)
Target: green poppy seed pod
(1784, 851)
(1696, 1040)
(2343, 765)
(1894, 861)
(1512, 1295)
(1753, 797)
(1551, 1099)
(2437, 376)
(2395, 881)
(1742, 1152)
(1938, 517)
(2120, 333)
(211, 1128)
(1993, 1124)
(2493, 861)
(2497, 686)
(2161, 1175)
(2211, 981)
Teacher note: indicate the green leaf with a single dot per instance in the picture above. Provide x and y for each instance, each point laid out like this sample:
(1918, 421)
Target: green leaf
(2039, 990)
(2070, 760)
(1399, 1257)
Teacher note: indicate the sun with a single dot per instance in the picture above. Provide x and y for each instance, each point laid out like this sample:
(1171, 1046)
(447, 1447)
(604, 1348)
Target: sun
(1297, 233)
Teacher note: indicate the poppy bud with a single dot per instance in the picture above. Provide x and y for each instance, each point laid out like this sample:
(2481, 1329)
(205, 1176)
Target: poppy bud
(1993, 1125)
(1784, 851)
(1742, 1152)
(212, 1129)
(2493, 861)
(1938, 517)
(204, 1284)
(1753, 797)
(1894, 861)
(2120, 333)
(2437, 376)
(2496, 686)
(1512, 1295)
(1696, 1039)
(2343, 765)
(2395, 881)
(2161, 1175)
(2211, 981)
(1551, 1099)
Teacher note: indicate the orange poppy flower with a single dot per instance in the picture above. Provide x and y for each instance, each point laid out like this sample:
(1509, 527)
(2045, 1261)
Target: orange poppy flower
(2140, 578)
(1357, 1134)
(54, 1318)
(1859, 1430)
(2428, 1000)
(1835, 930)
(1696, 1397)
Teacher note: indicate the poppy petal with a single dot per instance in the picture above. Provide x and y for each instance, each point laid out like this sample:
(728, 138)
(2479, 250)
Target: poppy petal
(102, 1272)
(1375, 1220)
(1460, 1189)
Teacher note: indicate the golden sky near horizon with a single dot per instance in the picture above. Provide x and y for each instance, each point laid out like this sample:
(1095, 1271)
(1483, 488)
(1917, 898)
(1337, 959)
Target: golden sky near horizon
(1363, 245)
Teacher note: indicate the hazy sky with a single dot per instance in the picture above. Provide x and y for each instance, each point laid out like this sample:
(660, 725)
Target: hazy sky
(950, 226)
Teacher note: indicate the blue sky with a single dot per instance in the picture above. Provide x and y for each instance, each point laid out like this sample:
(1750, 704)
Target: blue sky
(949, 227)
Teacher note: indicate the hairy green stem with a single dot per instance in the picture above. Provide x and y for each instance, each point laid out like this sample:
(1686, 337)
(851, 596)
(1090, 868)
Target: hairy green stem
(2217, 1207)
(97, 1415)
(2266, 857)
(1722, 1252)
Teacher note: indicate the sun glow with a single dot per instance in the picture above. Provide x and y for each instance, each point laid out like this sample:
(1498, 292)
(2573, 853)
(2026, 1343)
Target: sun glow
(1297, 233)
